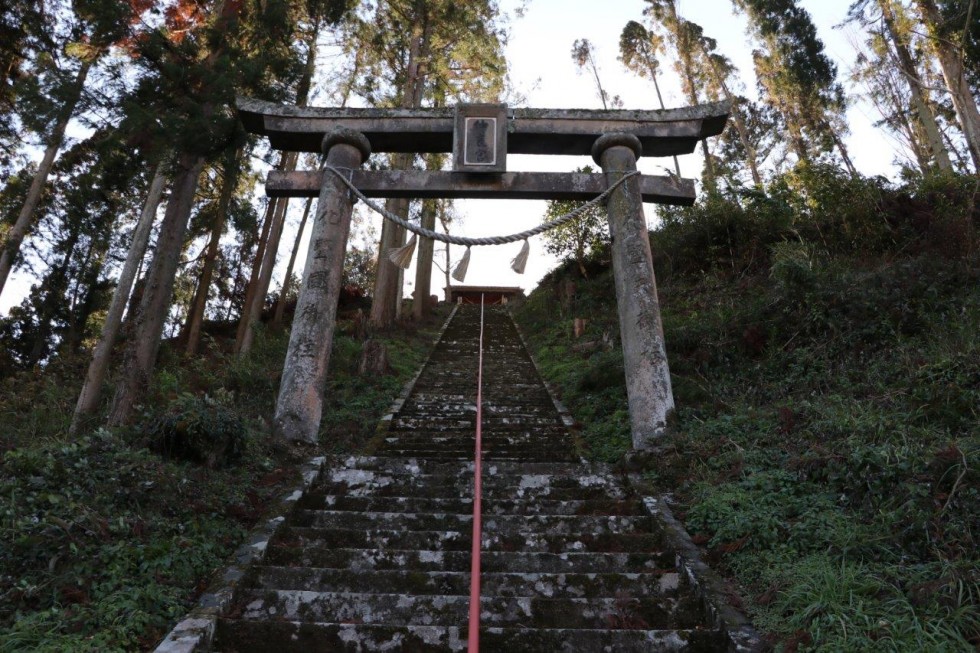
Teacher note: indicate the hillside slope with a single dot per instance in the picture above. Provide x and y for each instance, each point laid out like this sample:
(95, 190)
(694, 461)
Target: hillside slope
(826, 369)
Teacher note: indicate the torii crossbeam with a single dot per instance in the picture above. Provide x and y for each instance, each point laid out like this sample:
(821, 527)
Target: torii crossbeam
(480, 137)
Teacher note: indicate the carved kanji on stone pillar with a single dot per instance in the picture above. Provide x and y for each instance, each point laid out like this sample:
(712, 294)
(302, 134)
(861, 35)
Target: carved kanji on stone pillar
(300, 403)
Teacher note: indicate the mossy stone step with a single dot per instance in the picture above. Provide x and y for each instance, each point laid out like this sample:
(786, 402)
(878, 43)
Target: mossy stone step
(571, 585)
(463, 487)
(492, 478)
(464, 505)
(300, 637)
(494, 524)
(400, 465)
(459, 540)
(291, 553)
(452, 609)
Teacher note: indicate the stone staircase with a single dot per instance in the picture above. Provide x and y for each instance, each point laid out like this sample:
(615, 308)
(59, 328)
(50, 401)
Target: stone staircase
(376, 556)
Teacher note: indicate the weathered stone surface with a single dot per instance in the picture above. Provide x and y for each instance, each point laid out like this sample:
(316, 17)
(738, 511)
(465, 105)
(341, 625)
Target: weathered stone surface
(651, 399)
(374, 359)
(530, 131)
(300, 401)
(509, 185)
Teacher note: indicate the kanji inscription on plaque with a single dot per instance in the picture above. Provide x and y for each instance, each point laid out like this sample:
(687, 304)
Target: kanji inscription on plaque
(480, 138)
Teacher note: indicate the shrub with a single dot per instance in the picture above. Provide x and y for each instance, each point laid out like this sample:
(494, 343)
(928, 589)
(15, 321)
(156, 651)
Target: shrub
(200, 429)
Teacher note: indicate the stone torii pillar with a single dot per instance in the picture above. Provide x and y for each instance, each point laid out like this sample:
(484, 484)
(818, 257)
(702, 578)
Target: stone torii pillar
(648, 389)
(300, 403)
(614, 138)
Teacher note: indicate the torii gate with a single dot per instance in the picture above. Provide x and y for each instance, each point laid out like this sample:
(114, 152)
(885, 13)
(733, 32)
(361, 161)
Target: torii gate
(480, 137)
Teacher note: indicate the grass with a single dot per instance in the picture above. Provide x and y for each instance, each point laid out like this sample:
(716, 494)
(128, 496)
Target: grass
(827, 441)
(105, 544)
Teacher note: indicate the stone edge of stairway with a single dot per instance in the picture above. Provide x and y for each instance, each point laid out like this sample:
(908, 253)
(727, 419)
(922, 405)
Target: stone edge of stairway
(566, 416)
(397, 404)
(708, 585)
(197, 628)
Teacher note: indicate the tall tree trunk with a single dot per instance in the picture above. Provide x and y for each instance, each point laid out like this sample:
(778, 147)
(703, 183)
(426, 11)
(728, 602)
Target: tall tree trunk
(445, 227)
(920, 99)
(10, 246)
(423, 270)
(842, 148)
(287, 281)
(265, 256)
(961, 161)
(195, 319)
(54, 295)
(751, 158)
(155, 307)
(685, 56)
(135, 298)
(796, 141)
(384, 305)
(951, 63)
(911, 127)
(660, 99)
(253, 312)
(88, 400)
(83, 306)
(385, 300)
(253, 278)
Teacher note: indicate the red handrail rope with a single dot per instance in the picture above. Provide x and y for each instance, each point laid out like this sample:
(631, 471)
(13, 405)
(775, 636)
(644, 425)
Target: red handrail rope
(473, 640)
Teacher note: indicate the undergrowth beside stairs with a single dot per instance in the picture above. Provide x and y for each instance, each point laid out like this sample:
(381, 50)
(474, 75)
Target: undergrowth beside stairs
(825, 358)
(105, 543)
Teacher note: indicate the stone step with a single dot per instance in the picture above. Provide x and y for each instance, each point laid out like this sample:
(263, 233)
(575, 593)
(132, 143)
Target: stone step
(463, 488)
(354, 478)
(555, 432)
(290, 553)
(512, 454)
(460, 540)
(453, 609)
(468, 437)
(490, 451)
(465, 506)
(497, 486)
(612, 585)
(496, 525)
(439, 405)
(431, 386)
(399, 465)
(433, 418)
(489, 422)
(297, 637)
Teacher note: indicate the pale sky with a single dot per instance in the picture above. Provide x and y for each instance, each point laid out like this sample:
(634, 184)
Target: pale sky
(541, 69)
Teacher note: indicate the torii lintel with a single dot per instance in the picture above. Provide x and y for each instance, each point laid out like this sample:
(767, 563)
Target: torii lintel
(529, 131)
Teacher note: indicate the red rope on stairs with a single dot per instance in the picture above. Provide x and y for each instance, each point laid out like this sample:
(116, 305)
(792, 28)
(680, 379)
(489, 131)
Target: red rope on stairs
(473, 644)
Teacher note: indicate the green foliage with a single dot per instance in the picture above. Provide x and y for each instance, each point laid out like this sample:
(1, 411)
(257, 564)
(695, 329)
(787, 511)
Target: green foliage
(579, 239)
(359, 271)
(827, 212)
(200, 429)
(105, 544)
(459, 45)
(798, 78)
(826, 369)
(101, 544)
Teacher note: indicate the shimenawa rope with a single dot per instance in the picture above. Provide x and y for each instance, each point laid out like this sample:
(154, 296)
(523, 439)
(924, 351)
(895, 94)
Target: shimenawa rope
(492, 240)
(402, 256)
